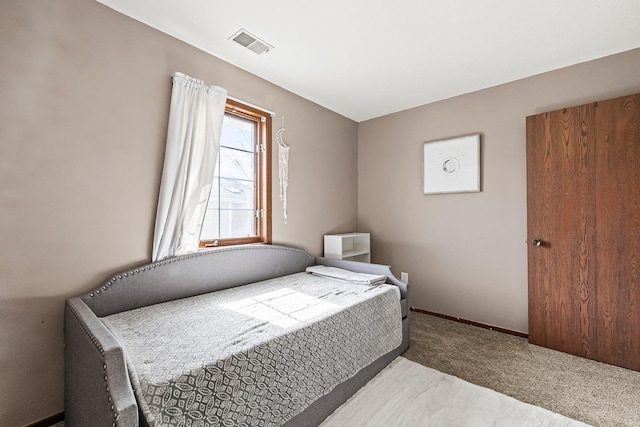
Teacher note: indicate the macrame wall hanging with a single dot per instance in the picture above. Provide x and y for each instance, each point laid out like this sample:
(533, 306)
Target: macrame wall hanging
(283, 168)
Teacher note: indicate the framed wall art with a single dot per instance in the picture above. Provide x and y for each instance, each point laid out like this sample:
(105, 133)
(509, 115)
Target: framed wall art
(452, 165)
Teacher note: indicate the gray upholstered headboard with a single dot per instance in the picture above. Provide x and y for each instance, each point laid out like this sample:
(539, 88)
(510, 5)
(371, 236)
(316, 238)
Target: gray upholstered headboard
(195, 274)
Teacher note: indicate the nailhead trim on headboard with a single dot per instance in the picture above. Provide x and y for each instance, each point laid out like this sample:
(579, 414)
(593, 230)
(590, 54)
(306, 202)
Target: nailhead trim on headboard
(100, 349)
(142, 269)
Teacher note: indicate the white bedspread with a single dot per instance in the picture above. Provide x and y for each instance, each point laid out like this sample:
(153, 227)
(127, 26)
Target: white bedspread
(256, 354)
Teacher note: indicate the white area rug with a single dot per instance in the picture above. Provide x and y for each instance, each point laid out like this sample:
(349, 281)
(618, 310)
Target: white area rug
(409, 394)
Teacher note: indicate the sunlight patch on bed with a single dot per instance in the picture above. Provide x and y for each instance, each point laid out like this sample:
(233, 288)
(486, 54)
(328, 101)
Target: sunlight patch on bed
(283, 307)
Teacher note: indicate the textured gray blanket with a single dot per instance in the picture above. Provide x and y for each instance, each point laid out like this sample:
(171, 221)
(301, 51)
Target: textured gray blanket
(256, 354)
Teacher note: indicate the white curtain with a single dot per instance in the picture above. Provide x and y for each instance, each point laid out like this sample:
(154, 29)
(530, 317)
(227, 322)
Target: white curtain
(193, 142)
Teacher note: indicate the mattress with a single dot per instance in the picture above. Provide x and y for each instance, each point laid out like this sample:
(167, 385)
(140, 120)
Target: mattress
(257, 354)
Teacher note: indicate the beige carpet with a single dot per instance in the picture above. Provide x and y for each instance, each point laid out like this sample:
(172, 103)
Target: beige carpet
(407, 394)
(592, 392)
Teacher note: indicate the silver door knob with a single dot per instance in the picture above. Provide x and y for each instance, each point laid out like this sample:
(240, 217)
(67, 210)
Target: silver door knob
(536, 242)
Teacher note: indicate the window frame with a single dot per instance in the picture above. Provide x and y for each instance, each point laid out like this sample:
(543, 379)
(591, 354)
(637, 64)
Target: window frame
(263, 176)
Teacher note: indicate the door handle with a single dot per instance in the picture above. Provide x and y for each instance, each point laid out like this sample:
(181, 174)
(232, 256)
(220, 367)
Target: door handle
(536, 242)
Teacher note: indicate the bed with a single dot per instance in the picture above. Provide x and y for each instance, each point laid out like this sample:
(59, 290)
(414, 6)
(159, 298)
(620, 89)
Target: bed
(233, 336)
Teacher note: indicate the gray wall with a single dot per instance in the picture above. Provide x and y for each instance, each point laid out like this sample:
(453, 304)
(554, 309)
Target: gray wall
(84, 102)
(466, 253)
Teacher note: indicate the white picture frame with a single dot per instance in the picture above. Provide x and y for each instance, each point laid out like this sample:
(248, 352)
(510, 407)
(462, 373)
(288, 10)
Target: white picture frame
(452, 165)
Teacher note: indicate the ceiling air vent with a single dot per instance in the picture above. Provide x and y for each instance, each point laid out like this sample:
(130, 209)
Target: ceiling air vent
(251, 42)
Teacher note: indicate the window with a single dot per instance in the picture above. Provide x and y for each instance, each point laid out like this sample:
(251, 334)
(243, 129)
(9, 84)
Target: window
(239, 209)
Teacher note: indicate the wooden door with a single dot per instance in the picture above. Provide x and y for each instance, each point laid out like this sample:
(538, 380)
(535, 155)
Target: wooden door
(583, 203)
(561, 214)
(618, 231)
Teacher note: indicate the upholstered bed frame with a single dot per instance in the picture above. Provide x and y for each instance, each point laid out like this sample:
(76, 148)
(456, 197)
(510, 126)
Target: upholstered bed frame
(97, 387)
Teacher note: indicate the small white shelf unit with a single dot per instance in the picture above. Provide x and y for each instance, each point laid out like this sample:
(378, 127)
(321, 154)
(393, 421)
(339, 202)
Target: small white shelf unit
(349, 246)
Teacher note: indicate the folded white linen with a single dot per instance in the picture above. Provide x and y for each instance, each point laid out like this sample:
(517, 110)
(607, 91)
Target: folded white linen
(346, 275)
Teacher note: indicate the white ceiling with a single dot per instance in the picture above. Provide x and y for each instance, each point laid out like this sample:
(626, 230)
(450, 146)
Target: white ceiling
(365, 59)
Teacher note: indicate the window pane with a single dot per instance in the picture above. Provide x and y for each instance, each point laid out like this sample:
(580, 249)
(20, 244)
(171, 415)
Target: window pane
(237, 223)
(236, 194)
(236, 164)
(230, 195)
(210, 225)
(238, 133)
